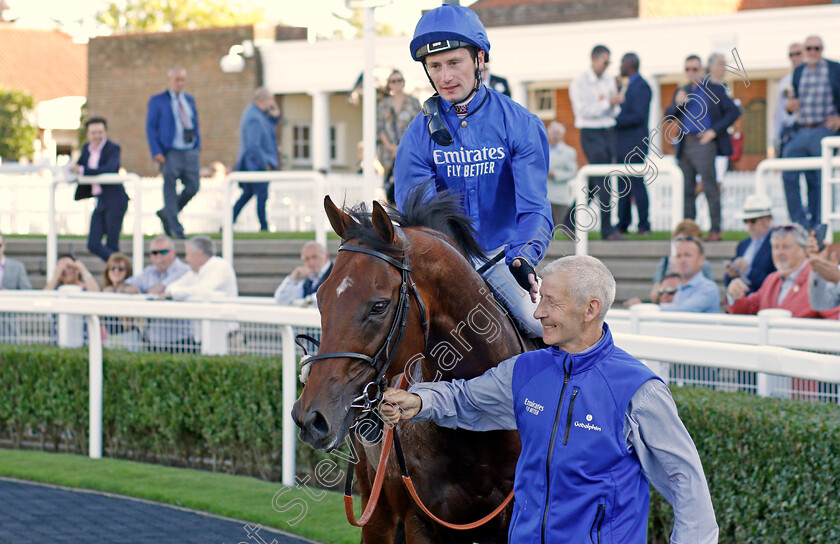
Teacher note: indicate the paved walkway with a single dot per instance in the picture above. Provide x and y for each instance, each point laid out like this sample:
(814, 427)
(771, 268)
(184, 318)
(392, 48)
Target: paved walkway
(32, 512)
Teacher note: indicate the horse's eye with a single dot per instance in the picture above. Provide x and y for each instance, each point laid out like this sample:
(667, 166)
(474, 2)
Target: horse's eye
(379, 307)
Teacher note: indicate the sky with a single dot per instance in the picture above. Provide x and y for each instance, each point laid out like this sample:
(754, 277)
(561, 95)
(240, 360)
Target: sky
(77, 16)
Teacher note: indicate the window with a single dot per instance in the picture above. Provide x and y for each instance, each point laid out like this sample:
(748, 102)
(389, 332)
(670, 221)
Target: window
(302, 144)
(543, 103)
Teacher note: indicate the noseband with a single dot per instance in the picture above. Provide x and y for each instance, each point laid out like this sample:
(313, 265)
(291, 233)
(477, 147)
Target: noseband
(371, 395)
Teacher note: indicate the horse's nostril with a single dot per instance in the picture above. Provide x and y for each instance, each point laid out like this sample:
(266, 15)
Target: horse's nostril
(316, 424)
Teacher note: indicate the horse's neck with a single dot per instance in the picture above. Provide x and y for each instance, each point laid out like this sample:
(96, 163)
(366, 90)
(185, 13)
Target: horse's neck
(465, 345)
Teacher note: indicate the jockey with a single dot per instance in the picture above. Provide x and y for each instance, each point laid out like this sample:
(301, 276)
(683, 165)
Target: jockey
(484, 146)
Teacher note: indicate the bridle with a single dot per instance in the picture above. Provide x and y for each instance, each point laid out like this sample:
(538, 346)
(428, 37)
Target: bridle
(370, 398)
(372, 395)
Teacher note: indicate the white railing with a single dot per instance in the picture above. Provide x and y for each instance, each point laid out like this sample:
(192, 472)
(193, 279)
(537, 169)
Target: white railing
(826, 163)
(102, 179)
(212, 314)
(830, 146)
(667, 173)
(768, 345)
(313, 180)
(33, 199)
(772, 327)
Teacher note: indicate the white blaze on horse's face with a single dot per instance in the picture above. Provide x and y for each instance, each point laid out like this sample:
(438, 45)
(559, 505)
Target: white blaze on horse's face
(345, 283)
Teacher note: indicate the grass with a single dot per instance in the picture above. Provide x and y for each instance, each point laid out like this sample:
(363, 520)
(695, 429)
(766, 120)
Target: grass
(239, 497)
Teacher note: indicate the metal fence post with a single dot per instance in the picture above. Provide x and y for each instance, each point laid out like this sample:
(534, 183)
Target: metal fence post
(289, 395)
(95, 401)
(766, 384)
(137, 241)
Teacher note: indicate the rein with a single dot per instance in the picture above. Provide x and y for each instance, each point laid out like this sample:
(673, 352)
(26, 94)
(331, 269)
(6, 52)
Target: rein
(368, 403)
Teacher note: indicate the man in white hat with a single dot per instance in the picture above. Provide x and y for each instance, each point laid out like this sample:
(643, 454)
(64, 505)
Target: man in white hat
(753, 258)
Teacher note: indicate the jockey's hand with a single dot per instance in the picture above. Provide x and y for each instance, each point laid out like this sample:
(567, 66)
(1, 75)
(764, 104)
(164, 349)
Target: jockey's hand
(525, 276)
(398, 405)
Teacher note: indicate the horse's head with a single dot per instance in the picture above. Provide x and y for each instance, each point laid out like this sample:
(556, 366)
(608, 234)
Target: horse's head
(361, 312)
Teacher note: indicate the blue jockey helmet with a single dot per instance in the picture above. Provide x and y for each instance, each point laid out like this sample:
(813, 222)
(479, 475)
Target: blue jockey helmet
(448, 27)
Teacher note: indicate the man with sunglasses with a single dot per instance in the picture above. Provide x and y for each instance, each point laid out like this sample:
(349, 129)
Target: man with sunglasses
(485, 148)
(668, 288)
(697, 293)
(166, 267)
(705, 112)
(784, 121)
(753, 260)
(816, 104)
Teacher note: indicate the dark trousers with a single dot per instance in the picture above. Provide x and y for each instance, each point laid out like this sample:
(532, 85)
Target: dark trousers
(106, 220)
(561, 213)
(697, 158)
(806, 142)
(637, 192)
(183, 165)
(258, 189)
(598, 146)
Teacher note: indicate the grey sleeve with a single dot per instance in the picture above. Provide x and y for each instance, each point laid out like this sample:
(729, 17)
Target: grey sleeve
(24, 279)
(484, 403)
(822, 294)
(669, 459)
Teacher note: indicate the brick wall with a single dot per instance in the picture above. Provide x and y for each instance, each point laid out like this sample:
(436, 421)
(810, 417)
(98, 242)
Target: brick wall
(509, 13)
(124, 71)
(755, 94)
(650, 9)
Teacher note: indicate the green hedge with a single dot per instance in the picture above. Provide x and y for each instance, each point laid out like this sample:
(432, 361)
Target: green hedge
(224, 413)
(773, 467)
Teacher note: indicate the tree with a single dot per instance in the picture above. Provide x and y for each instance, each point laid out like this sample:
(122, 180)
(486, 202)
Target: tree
(17, 135)
(356, 21)
(166, 15)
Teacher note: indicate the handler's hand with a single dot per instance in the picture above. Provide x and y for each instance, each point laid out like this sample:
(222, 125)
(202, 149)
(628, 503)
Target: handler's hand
(398, 405)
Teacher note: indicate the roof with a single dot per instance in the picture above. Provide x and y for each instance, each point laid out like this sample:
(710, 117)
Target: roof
(45, 63)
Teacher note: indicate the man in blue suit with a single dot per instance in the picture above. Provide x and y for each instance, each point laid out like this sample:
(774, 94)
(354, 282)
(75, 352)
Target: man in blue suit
(753, 260)
(257, 150)
(704, 111)
(102, 156)
(175, 142)
(631, 132)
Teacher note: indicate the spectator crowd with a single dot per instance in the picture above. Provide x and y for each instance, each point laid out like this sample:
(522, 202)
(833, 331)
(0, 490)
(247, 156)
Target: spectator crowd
(776, 266)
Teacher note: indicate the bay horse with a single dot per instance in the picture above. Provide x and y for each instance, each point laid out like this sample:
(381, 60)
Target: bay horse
(460, 475)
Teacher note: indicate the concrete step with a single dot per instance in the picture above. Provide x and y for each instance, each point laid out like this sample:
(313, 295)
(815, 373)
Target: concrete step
(262, 264)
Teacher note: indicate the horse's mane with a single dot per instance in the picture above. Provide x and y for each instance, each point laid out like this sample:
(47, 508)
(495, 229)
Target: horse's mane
(441, 213)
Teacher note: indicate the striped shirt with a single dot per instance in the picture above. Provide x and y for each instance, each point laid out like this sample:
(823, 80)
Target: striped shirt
(815, 95)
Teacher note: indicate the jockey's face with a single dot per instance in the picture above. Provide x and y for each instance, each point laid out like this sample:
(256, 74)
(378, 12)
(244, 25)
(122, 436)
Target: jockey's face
(453, 73)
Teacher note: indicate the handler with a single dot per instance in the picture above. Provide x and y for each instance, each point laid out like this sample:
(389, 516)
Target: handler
(483, 146)
(595, 423)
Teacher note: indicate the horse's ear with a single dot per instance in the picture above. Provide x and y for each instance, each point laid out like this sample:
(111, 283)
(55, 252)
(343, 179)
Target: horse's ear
(338, 218)
(382, 223)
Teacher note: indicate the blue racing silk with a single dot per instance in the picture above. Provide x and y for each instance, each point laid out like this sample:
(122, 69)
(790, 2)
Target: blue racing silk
(497, 163)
